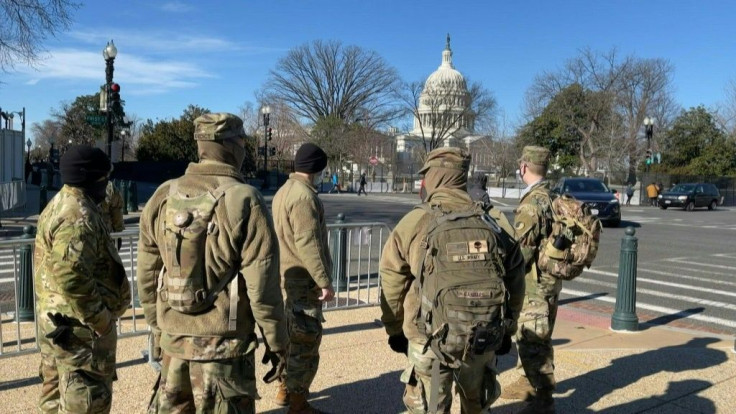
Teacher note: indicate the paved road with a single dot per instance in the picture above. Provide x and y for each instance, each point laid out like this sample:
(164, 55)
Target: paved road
(686, 261)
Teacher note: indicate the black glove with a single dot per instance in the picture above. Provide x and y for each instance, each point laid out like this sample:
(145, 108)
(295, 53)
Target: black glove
(63, 332)
(278, 362)
(505, 346)
(399, 343)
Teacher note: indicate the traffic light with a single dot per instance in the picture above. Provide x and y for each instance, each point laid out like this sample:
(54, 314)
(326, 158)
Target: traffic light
(115, 98)
(268, 134)
(272, 151)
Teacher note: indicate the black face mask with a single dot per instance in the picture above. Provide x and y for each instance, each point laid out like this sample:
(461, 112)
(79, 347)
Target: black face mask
(97, 191)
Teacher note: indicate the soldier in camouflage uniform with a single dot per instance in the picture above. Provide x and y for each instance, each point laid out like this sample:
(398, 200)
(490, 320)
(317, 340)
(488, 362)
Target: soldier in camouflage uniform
(112, 208)
(81, 288)
(208, 357)
(445, 177)
(533, 223)
(306, 271)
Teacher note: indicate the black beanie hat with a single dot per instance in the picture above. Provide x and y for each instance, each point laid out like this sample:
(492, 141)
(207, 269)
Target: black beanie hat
(310, 159)
(82, 165)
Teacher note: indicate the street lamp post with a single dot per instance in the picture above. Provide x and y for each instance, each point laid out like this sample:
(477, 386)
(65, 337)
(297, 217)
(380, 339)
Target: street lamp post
(266, 111)
(649, 131)
(109, 53)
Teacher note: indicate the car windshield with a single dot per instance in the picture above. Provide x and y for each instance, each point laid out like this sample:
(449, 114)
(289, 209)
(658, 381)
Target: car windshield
(683, 188)
(584, 186)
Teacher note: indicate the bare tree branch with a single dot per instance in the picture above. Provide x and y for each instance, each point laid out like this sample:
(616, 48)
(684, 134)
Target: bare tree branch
(26, 24)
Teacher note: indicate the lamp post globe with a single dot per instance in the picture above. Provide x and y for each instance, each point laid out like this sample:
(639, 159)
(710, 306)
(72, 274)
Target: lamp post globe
(109, 53)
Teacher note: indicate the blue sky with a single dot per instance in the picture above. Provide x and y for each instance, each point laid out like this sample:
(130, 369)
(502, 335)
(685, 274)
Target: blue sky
(216, 54)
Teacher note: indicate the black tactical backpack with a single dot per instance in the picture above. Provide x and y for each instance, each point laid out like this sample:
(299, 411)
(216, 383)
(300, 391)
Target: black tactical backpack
(463, 296)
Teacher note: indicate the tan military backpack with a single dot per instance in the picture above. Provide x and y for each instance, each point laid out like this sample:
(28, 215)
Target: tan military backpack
(573, 242)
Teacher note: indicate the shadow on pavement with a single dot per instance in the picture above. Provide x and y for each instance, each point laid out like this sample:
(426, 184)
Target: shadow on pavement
(582, 298)
(675, 390)
(382, 394)
(665, 319)
(585, 390)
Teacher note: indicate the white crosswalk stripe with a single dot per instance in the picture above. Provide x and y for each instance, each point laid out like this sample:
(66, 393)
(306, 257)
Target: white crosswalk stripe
(699, 288)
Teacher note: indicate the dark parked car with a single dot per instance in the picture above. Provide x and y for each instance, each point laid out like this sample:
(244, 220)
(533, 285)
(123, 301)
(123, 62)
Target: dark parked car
(591, 191)
(690, 195)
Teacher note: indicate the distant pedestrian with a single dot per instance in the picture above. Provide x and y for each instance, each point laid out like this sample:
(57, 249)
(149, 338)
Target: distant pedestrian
(478, 191)
(652, 194)
(362, 184)
(629, 193)
(335, 184)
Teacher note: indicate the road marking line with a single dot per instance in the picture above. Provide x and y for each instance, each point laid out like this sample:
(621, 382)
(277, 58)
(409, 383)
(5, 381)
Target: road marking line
(657, 293)
(689, 269)
(678, 260)
(670, 284)
(655, 308)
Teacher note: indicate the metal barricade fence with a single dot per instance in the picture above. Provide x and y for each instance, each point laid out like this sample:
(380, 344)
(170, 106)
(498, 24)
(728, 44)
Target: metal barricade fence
(355, 247)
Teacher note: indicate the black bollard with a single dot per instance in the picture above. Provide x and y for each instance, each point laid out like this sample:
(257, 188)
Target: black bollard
(43, 198)
(134, 196)
(624, 317)
(129, 197)
(124, 190)
(24, 288)
(339, 251)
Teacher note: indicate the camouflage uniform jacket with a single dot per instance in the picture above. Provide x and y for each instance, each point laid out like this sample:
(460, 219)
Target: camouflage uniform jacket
(112, 208)
(401, 259)
(300, 225)
(533, 223)
(245, 242)
(77, 269)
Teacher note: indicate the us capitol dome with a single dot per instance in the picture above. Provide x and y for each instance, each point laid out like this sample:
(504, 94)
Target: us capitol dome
(445, 93)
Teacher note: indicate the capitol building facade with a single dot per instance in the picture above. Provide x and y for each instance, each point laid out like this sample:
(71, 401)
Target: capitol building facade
(443, 116)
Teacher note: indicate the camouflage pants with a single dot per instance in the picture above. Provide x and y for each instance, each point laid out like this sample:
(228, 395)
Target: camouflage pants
(534, 336)
(304, 318)
(226, 386)
(77, 376)
(475, 381)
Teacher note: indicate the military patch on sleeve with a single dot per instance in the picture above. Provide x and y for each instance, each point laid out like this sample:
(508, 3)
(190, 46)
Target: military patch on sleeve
(519, 225)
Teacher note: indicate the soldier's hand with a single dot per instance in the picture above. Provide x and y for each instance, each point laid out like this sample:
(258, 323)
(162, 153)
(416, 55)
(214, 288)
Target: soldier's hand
(278, 363)
(327, 294)
(63, 332)
(399, 343)
(505, 346)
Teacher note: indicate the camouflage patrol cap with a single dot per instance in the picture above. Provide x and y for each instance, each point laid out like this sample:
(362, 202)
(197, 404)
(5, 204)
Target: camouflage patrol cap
(217, 127)
(452, 158)
(535, 155)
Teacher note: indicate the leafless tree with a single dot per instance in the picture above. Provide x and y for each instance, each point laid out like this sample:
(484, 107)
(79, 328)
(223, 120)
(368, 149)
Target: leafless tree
(726, 111)
(327, 79)
(605, 98)
(441, 111)
(45, 133)
(26, 24)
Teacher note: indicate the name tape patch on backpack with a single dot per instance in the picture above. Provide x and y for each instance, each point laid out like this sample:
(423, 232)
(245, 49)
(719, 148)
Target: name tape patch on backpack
(470, 251)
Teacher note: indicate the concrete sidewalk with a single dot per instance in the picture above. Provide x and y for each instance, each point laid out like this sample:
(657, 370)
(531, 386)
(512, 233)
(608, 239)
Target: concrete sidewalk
(656, 370)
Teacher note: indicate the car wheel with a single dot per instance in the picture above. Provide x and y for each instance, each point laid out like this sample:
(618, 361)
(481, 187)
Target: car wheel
(690, 206)
(712, 205)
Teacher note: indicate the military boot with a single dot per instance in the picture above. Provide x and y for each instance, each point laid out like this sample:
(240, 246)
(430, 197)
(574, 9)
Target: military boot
(298, 405)
(520, 389)
(282, 397)
(543, 403)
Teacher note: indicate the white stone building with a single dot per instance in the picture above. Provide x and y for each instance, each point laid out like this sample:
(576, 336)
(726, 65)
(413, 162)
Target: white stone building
(443, 112)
